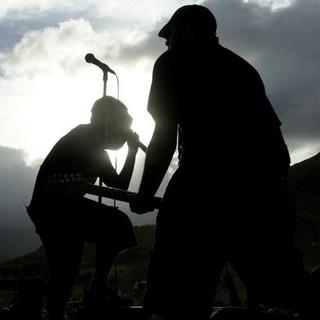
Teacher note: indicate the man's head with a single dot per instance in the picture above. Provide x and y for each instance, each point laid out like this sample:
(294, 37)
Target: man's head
(190, 24)
(111, 119)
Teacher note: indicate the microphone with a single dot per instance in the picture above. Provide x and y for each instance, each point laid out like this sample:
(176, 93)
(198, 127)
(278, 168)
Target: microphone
(142, 146)
(137, 142)
(90, 58)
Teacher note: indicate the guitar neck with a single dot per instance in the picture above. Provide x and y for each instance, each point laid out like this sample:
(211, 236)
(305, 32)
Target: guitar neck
(117, 194)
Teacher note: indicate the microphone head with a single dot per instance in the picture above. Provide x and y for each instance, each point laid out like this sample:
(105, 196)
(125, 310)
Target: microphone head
(89, 57)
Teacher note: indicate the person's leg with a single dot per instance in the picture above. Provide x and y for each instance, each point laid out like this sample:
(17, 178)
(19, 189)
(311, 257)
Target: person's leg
(267, 260)
(112, 232)
(104, 259)
(280, 283)
(182, 284)
(185, 263)
(63, 258)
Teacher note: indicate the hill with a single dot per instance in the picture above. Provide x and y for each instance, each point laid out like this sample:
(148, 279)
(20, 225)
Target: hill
(17, 242)
(305, 180)
(128, 275)
(305, 177)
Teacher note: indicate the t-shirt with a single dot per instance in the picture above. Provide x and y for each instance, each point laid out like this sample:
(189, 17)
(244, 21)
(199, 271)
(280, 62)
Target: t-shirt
(219, 102)
(75, 153)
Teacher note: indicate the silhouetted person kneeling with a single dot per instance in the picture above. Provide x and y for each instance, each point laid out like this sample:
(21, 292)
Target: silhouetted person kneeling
(64, 218)
(228, 199)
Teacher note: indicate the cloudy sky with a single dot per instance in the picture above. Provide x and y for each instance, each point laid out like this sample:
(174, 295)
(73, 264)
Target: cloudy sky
(46, 87)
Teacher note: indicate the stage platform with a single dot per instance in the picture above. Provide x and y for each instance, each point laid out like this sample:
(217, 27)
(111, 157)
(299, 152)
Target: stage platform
(218, 313)
(77, 311)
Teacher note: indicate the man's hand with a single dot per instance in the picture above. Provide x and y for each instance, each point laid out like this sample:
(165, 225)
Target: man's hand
(133, 141)
(141, 205)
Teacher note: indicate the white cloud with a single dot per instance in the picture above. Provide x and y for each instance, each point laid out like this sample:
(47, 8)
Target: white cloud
(273, 4)
(27, 8)
(41, 73)
(47, 86)
(136, 13)
(54, 48)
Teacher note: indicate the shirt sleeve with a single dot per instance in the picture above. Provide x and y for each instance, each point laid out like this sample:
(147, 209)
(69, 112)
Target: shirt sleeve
(161, 102)
(103, 168)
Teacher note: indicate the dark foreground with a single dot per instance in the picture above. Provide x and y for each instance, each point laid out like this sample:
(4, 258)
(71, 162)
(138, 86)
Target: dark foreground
(77, 311)
(29, 303)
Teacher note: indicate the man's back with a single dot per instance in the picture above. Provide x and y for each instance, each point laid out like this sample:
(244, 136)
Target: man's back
(77, 150)
(220, 104)
(75, 153)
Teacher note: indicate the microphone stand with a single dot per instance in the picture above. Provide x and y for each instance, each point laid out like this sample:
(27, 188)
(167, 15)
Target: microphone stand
(115, 276)
(105, 80)
(105, 69)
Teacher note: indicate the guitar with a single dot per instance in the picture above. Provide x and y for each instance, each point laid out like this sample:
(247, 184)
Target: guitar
(74, 185)
(118, 194)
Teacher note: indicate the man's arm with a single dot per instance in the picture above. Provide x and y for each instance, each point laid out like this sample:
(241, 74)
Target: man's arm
(122, 180)
(158, 158)
(125, 175)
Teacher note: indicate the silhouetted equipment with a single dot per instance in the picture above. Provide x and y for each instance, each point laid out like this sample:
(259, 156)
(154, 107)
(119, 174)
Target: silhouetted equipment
(90, 58)
(118, 194)
(141, 145)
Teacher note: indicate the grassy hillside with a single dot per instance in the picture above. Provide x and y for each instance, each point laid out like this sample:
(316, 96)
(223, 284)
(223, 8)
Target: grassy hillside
(17, 242)
(130, 268)
(128, 276)
(305, 178)
(306, 183)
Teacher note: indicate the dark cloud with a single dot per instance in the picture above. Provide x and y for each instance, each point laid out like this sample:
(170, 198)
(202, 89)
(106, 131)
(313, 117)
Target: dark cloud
(15, 25)
(148, 48)
(17, 181)
(282, 46)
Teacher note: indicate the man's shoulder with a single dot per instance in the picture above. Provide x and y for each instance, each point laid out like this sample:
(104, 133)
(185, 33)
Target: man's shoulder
(78, 133)
(174, 54)
(80, 128)
(211, 52)
(70, 141)
(165, 58)
(237, 60)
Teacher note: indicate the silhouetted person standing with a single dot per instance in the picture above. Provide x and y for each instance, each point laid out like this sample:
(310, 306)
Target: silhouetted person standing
(228, 199)
(64, 218)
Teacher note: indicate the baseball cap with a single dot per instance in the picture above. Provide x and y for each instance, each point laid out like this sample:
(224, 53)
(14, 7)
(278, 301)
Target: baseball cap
(198, 16)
